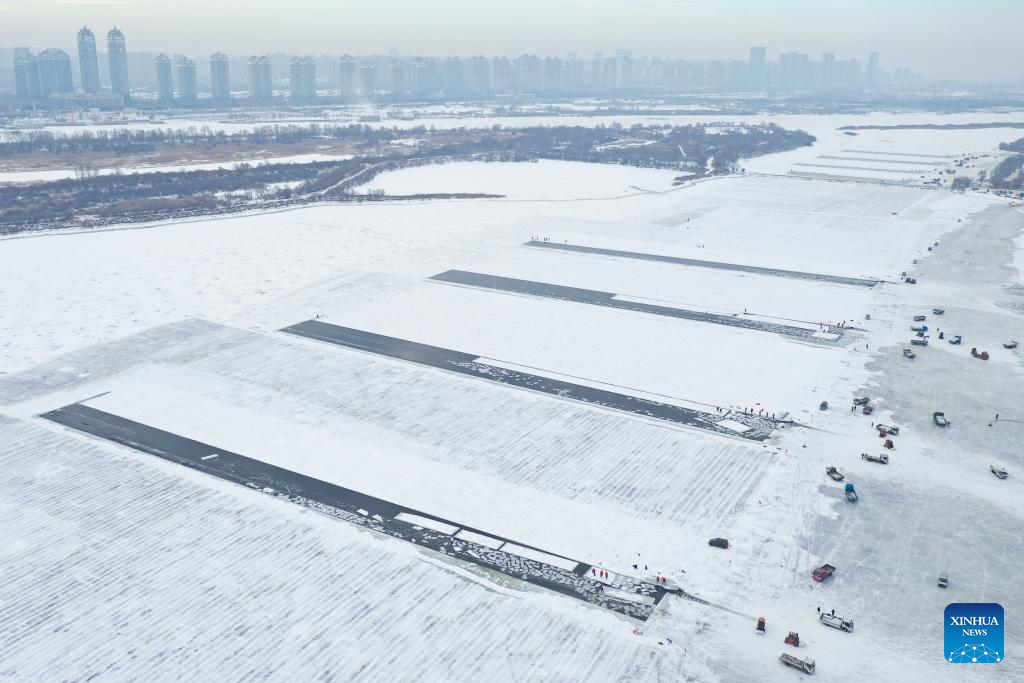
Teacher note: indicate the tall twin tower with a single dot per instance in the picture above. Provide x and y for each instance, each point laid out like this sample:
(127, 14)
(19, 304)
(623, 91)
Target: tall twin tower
(89, 64)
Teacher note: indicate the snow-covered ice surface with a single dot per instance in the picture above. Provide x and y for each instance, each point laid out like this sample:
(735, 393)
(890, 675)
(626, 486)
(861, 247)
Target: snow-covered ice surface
(123, 565)
(539, 180)
(63, 174)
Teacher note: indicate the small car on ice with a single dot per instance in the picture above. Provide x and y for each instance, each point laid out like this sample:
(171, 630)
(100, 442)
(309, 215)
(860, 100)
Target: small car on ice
(719, 543)
(940, 419)
(823, 572)
(1000, 472)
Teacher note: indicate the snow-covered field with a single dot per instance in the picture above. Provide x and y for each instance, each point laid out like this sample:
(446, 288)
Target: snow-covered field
(120, 564)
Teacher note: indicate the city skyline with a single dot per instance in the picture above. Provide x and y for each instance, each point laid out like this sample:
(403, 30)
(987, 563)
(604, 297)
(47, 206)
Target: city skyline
(986, 47)
(39, 78)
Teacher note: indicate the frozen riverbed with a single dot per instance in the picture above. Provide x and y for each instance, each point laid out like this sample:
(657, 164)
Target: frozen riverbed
(178, 327)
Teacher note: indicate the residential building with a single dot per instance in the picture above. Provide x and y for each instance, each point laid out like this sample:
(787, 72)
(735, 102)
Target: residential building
(187, 88)
(54, 72)
(302, 78)
(26, 77)
(164, 78)
(220, 77)
(88, 63)
(367, 81)
(261, 83)
(347, 85)
(757, 68)
(118, 56)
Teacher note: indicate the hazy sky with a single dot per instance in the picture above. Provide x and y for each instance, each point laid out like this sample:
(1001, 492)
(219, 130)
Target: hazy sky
(943, 38)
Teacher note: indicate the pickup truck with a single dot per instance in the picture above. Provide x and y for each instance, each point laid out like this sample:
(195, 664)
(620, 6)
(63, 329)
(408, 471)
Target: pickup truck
(823, 572)
(940, 419)
(919, 342)
(806, 665)
(845, 625)
(834, 474)
(1000, 472)
(882, 458)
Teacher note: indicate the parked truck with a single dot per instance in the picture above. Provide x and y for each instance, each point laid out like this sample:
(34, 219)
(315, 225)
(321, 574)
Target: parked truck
(851, 493)
(806, 665)
(845, 625)
(823, 572)
(834, 474)
(882, 458)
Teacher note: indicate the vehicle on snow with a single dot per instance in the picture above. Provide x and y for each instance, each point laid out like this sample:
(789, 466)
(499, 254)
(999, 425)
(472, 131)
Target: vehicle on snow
(919, 342)
(907, 353)
(943, 580)
(938, 311)
(919, 318)
(910, 280)
(955, 340)
(792, 639)
(888, 444)
(867, 409)
(918, 328)
(823, 572)
(834, 474)
(806, 665)
(851, 493)
(889, 429)
(1010, 345)
(823, 405)
(845, 625)
(882, 458)
(940, 419)
(983, 355)
(719, 543)
(1000, 472)
(861, 401)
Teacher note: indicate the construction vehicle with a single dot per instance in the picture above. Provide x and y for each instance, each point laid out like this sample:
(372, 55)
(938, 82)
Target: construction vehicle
(844, 625)
(806, 665)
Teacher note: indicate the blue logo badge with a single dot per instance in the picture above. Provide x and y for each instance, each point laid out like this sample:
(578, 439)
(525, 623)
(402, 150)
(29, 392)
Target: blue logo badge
(974, 633)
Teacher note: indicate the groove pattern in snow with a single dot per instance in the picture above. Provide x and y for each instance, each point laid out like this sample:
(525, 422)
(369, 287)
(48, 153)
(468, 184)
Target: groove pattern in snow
(758, 270)
(757, 428)
(95, 586)
(596, 298)
(367, 511)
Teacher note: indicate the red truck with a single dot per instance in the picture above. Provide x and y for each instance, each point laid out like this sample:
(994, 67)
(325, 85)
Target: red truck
(823, 572)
